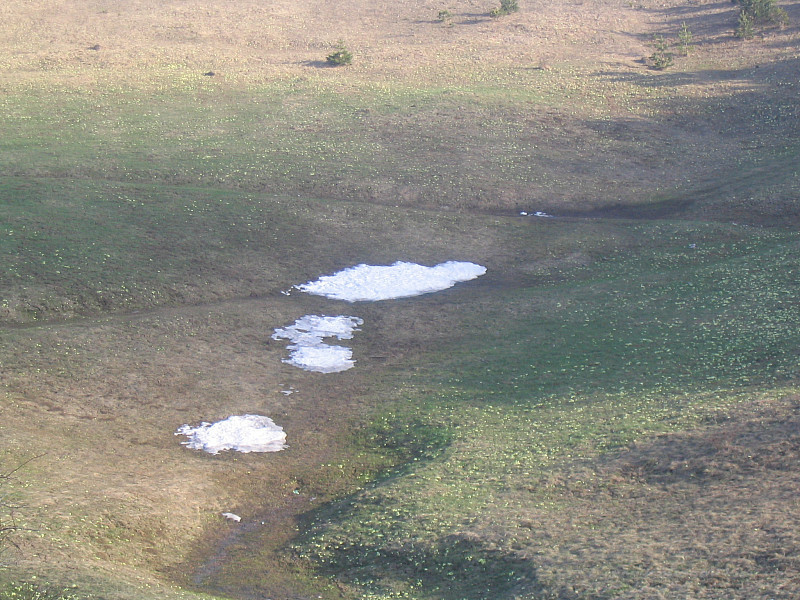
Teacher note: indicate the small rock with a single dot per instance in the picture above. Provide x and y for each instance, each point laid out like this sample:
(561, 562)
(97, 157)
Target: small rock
(232, 517)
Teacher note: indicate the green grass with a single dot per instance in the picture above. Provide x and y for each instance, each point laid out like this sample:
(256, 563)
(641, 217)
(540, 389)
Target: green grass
(671, 315)
(75, 247)
(517, 140)
(656, 340)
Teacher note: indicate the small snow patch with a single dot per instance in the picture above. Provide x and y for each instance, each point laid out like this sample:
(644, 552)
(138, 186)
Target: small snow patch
(243, 433)
(538, 213)
(309, 352)
(399, 280)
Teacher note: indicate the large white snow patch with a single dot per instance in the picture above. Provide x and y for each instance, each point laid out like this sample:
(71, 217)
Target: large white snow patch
(309, 352)
(400, 280)
(243, 433)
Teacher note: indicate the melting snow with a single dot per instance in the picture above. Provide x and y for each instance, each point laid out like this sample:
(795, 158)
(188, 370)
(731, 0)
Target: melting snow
(243, 433)
(400, 280)
(309, 352)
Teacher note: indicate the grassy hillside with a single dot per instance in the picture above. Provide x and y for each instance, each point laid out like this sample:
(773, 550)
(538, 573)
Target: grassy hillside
(609, 412)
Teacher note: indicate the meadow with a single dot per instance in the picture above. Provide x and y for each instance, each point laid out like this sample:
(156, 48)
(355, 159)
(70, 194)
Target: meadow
(610, 411)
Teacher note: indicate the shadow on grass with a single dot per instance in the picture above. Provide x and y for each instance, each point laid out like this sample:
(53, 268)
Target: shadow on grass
(460, 566)
(318, 64)
(728, 451)
(671, 208)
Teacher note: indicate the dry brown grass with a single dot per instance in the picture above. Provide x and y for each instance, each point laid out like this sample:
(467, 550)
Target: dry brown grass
(252, 40)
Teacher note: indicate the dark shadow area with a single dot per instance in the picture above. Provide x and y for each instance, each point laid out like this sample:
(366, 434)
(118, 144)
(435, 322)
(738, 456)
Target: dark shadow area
(475, 18)
(457, 19)
(662, 209)
(456, 567)
(708, 23)
(714, 24)
(677, 79)
(317, 64)
(723, 452)
(766, 99)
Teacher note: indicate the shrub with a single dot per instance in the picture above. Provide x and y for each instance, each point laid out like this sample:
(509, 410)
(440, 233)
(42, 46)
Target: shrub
(340, 56)
(745, 29)
(661, 57)
(506, 8)
(445, 16)
(685, 39)
(763, 12)
(758, 12)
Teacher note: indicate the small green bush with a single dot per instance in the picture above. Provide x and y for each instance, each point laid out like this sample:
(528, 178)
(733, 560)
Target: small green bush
(745, 28)
(340, 56)
(506, 8)
(445, 16)
(763, 12)
(685, 39)
(758, 12)
(661, 58)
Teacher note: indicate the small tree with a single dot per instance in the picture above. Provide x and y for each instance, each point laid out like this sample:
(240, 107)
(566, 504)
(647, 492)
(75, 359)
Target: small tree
(763, 12)
(685, 39)
(758, 12)
(506, 8)
(661, 58)
(745, 29)
(340, 56)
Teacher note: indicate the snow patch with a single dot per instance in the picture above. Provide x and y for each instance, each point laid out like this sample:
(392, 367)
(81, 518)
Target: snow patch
(309, 352)
(243, 433)
(399, 280)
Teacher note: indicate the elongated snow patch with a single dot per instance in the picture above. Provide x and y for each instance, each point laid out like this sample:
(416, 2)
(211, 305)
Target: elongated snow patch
(309, 352)
(242, 433)
(400, 280)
